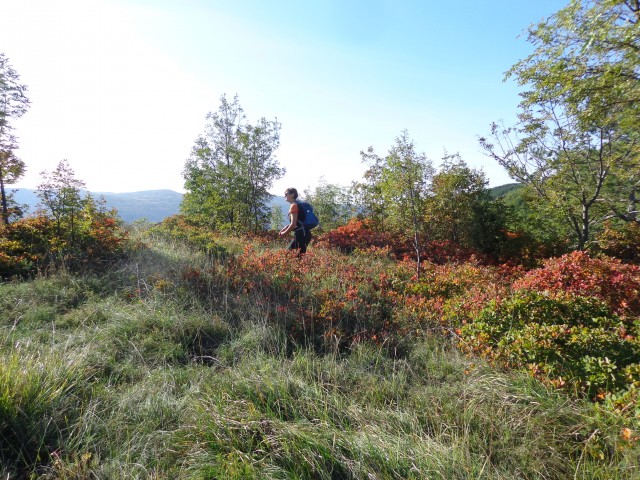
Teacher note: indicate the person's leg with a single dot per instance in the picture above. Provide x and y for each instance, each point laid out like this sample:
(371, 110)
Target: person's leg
(298, 241)
(306, 241)
(303, 243)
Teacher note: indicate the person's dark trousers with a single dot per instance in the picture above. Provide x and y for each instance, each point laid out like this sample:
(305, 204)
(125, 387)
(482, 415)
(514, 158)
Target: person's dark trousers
(301, 240)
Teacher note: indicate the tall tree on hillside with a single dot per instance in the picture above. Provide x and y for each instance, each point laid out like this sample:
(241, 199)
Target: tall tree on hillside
(230, 170)
(13, 104)
(569, 169)
(458, 208)
(395, 188)
(258, 167)
(577, 143)
(61, 195)
(208, 174)
(588, 56)
(405, 184)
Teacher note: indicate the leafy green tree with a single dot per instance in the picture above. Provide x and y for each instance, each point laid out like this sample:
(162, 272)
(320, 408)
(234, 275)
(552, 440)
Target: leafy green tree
(367, 194)
(460, 208)
(395, 189)
(258, 167)
(331, 203)
(231, 168)
(569, 169)
(588, 55)
(208, 174)
(61, 195)
(395, 186)
(11, 169)
(457, 191)
(405, 184)
(13, 104)
(577, 143)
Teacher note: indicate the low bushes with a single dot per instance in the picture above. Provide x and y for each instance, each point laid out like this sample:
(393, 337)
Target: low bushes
(608, 279)
(572, 322)
(366, 295)
(575, 341)
(324, 295)
(360, 235)
(178, 228)
(37, 243)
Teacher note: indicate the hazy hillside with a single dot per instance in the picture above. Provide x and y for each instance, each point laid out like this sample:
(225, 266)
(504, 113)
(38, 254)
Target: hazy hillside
(154, 205)
(26, 196)
(502, 190)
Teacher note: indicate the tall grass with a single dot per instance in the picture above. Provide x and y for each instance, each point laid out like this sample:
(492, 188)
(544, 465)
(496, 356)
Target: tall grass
(143, 372)
(41, 397)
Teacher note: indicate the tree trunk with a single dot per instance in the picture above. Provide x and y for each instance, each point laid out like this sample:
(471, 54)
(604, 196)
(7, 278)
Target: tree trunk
(583, 235)
(5, 209)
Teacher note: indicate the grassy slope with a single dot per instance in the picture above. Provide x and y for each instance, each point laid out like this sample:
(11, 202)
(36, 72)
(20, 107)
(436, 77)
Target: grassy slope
(132, 375)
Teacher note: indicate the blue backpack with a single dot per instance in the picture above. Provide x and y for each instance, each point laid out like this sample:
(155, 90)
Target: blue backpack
(306, 215)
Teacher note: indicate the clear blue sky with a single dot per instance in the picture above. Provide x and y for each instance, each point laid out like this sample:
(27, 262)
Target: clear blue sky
(121, 88)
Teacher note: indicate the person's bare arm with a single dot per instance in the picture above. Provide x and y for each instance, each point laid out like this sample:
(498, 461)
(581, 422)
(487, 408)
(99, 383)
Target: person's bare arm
(292, 225)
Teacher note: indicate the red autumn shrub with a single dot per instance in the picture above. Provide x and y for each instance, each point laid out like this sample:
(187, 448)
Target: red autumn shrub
(365, 296)
(25, 245)
(271, 273)
(361, 235)
(446, 251)
(323, 296)
(100, 240)
(453, 294)
(577, 273)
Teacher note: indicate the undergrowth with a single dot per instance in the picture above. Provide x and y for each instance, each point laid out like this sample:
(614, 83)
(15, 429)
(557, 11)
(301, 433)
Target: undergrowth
(151, 370)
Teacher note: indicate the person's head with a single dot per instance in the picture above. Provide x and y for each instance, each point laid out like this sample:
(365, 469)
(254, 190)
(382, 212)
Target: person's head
(291, 193)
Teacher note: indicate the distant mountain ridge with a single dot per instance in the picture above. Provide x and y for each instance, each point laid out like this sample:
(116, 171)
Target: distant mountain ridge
(502, 190)
(153, 205)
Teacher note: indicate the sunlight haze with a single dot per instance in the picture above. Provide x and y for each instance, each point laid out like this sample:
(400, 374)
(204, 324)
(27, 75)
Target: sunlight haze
(121, 88)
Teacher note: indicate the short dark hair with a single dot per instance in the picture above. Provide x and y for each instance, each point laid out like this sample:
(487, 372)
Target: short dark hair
(292, 191)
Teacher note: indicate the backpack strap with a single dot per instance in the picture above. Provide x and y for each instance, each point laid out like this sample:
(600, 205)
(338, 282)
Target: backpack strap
(300, 223)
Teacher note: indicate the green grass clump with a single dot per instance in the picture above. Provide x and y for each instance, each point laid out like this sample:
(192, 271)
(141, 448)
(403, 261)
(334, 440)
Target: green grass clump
(41, 399)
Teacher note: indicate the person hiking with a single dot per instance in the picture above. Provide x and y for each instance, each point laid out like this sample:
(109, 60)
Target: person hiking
(302, 235)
